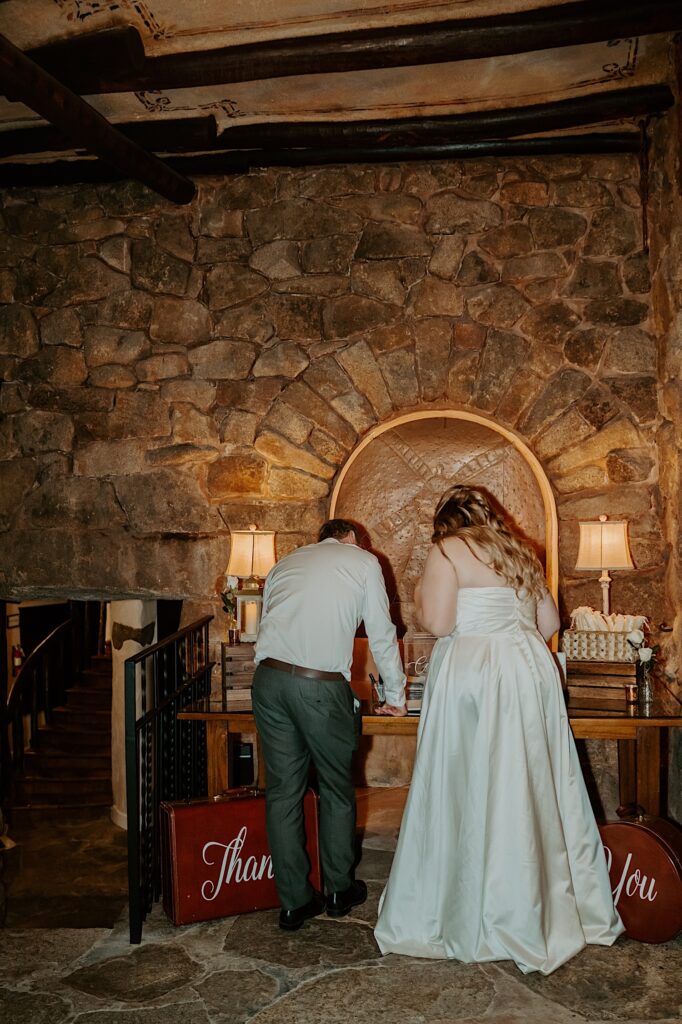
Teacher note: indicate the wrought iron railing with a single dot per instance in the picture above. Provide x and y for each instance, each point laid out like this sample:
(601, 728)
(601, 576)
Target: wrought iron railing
(40, 687)
(165, 758)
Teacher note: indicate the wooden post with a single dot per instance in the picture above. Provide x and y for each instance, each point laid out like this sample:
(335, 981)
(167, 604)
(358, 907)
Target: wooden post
(627, 777)
(649, 770)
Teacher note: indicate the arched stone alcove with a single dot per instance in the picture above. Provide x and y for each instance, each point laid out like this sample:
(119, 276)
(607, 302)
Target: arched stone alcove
(393, 479)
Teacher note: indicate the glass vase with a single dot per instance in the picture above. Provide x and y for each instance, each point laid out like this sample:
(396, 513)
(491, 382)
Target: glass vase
(231, 631)
(646, 694)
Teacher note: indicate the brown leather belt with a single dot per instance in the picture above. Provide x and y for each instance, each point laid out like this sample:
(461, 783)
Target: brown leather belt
(299, 670)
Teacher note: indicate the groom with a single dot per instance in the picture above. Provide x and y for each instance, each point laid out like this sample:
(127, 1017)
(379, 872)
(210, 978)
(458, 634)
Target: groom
(313, 601)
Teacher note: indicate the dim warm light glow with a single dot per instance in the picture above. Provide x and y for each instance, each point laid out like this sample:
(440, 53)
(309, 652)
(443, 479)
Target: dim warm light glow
(252, 553)
(604, 545)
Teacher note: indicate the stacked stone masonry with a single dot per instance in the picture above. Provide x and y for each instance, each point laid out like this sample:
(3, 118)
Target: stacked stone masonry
(171, 373)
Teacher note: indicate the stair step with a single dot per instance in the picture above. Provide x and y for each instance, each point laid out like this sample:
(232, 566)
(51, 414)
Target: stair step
(29, 790)
(70, 772)
(82, 697)
(41, 811)
(60, 739)
(85, 718)
(101, 660)
(52, 765)
(99, 679)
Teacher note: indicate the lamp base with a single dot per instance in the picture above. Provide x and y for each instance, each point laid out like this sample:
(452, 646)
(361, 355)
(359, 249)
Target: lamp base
(251, 584)
(605, 581)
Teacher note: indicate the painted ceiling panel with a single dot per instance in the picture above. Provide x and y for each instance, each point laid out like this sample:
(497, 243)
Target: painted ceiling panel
(177, 61)
(512, 81)
(173, 26)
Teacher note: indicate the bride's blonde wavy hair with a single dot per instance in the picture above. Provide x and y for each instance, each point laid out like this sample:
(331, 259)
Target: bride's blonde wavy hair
(469, 514)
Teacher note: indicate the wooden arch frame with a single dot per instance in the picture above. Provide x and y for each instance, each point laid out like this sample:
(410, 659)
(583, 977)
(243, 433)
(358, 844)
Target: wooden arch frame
(549, 504)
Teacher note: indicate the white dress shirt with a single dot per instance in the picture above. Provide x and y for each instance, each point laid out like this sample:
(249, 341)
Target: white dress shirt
(313, 602)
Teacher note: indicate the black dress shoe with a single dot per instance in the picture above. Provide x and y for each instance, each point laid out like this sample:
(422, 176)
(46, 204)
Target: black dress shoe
(291, 920)
(341, 903)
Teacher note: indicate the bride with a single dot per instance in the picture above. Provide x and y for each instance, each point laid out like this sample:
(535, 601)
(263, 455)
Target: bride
(499, 856)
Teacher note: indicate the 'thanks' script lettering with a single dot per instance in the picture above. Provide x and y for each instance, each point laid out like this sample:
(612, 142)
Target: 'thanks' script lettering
(232, 867)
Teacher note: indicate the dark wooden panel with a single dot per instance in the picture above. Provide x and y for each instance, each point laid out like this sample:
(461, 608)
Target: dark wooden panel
(627, 776)
(649, 770)
(614, 670)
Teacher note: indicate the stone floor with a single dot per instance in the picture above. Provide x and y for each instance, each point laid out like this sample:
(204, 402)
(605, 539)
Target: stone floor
(65, 873)
(245, 969)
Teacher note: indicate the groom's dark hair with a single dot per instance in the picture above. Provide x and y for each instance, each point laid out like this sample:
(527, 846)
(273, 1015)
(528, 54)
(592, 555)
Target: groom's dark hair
(336, 528)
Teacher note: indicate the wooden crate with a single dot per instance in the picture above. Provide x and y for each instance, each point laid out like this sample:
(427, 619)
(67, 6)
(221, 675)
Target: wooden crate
(237, 666)
(600, 680)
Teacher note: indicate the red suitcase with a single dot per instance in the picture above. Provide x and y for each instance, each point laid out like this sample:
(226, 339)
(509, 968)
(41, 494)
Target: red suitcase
(215, 856)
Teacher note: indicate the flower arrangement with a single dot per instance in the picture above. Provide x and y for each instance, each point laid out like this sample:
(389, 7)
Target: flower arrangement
(229, 599)
(645, 659)
(645, 655)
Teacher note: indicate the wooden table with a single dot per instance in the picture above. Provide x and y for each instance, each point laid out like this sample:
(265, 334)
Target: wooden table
(637, 730)
(639, 733)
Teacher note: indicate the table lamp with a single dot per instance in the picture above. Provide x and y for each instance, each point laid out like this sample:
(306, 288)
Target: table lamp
(604, 545)
(252, 556)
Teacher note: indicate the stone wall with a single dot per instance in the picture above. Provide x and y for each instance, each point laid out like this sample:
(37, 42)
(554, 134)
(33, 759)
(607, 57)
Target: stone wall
(174, 372)
(666, 262)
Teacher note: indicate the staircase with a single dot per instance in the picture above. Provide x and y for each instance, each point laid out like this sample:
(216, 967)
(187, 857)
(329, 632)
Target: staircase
(69, 771)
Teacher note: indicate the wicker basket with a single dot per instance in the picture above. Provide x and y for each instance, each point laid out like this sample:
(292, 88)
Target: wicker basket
(591, 645)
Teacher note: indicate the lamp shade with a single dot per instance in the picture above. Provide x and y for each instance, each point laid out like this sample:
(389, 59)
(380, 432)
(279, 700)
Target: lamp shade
(604, 545)
(252, 553)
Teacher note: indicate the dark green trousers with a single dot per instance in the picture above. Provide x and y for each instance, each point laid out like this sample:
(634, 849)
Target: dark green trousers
(299, 719)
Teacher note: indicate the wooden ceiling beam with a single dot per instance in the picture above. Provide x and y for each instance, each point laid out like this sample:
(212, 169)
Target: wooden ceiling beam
(70, 172)
(583, 21)
(187, 135)
(40, 91)
(176, 135)
(485, 124)
(107, 55)
(235, 162)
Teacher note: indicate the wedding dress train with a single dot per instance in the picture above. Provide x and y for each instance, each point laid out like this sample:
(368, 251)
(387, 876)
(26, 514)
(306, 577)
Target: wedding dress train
(499, 856)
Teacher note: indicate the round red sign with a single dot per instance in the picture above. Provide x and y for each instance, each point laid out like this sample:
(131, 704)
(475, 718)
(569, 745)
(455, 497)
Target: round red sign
(644, 856)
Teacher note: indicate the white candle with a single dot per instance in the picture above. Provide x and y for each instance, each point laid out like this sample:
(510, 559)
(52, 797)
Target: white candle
(250, 617)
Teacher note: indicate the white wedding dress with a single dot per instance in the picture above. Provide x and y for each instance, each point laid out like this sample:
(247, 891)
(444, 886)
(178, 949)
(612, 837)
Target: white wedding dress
(499, 856)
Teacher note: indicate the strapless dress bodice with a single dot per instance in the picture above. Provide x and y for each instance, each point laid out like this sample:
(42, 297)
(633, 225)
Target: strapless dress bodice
(493, 610)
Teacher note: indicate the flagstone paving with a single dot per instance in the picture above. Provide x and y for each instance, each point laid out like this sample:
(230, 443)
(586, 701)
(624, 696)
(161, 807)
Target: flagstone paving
(243, 969)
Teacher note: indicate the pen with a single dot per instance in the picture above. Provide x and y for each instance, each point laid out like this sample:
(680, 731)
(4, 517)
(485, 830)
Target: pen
(378, 688)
